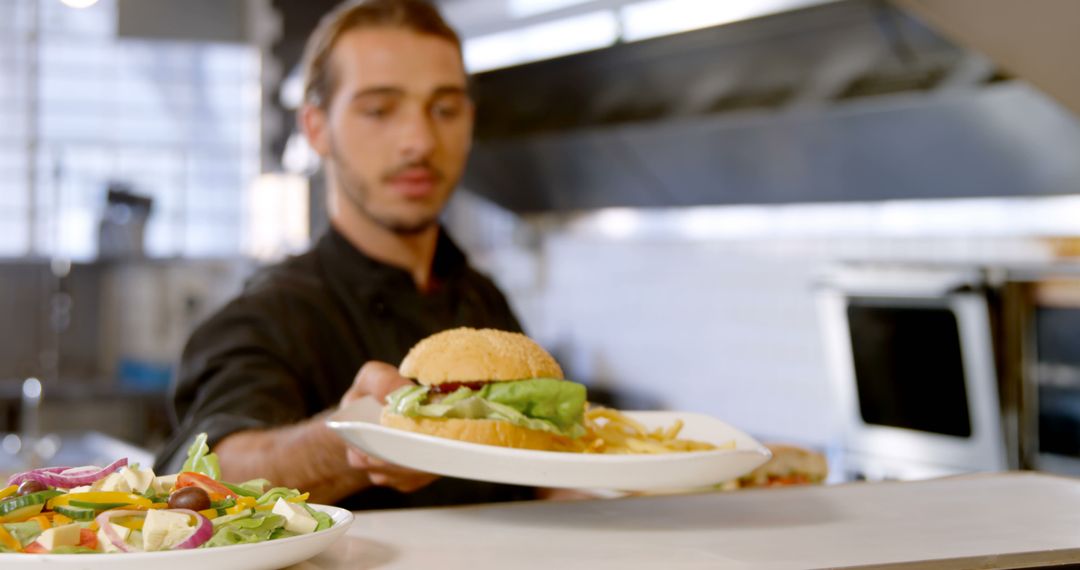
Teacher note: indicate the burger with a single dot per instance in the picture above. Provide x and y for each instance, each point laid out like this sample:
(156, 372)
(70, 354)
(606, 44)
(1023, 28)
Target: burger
(487, 386)
(789, 465)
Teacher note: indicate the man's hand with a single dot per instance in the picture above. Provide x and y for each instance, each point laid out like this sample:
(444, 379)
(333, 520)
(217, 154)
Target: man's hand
(379, 379)
(376, 379)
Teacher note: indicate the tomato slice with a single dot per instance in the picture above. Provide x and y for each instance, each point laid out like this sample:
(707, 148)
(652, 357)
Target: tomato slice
(212, 488)
(88, 538)
(35, 548)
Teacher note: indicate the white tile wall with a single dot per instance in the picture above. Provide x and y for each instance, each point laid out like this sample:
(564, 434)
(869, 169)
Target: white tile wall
(725, 329)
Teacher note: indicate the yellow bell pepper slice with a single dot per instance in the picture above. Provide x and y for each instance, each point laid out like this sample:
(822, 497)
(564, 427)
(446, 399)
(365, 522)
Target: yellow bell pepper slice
(8, 491)
(23, 514)
(209, 513)
(9, 541)
(299, 498)
(43, 522)
(134, 523)
(116, 497)
(60, 520)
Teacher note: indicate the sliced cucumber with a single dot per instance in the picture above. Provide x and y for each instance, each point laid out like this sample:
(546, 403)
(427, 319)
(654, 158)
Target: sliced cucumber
(12, 504)
(76, 513)
(96, 506)
(19, 515)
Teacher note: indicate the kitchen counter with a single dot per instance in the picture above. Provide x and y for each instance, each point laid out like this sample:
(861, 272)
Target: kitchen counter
(1007, 520)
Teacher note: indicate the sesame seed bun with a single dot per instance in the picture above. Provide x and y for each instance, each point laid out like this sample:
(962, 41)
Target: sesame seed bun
(472, 355)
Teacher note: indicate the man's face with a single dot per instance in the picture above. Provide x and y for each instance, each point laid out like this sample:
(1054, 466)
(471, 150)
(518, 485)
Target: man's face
(398, 127)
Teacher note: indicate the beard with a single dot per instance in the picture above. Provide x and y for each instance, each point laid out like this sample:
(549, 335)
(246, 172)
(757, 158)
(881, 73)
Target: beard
(357, 192)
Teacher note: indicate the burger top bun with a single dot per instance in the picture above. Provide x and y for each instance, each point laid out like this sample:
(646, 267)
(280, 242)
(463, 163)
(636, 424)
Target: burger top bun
(472, 355)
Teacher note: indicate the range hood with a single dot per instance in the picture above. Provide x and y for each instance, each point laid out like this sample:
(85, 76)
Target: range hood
(848, 101)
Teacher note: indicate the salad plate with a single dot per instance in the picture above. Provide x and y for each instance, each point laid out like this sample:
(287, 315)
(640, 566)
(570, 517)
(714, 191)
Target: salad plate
(264, 555)
(358, 423)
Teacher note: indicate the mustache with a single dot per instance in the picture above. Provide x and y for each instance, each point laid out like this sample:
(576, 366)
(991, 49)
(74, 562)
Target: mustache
(424, 165)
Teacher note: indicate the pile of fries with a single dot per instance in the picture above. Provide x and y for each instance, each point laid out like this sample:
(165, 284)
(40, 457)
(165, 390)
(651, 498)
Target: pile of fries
(610, 431)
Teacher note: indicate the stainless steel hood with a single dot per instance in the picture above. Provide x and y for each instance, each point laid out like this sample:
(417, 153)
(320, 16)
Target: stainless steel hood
(853, 100)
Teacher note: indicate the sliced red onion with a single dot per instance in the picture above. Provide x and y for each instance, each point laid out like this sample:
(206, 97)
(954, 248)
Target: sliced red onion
(35, 471)
(67, 477)
(204, 529)
(103, 521)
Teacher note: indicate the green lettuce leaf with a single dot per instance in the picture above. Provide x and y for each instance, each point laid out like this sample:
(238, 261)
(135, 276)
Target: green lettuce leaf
(544, 404)
(24, 532)
(256, 528)
(281, 533)
(274, 494)
(557, 401)
(253, 488)
(201, 460)
(322, 518)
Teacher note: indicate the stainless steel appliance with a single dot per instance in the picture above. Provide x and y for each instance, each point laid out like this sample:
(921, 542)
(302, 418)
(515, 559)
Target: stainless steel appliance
(912, 356)
(1043, 312)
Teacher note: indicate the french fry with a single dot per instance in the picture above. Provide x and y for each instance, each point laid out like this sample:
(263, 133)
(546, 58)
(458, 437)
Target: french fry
(610, 431)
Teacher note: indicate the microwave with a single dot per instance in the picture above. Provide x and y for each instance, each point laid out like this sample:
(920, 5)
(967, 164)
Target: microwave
(912, 356)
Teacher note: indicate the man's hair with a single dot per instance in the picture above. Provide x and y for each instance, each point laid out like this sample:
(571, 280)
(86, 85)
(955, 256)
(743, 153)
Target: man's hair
(416, 15)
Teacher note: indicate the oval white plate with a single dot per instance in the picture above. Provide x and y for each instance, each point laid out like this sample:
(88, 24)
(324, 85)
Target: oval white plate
(359, 424)
(262, 556)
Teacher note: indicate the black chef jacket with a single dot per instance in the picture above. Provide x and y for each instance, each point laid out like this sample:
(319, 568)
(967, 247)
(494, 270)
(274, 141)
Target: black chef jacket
(290, 345)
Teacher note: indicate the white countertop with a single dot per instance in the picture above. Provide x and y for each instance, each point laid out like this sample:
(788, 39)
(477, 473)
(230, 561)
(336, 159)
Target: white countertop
(985, 521)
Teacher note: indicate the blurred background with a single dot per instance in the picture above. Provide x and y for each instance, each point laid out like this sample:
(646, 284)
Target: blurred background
(848, 224)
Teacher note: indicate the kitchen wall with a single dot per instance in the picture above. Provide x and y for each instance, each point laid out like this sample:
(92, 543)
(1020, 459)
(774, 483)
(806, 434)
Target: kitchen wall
(724, 320)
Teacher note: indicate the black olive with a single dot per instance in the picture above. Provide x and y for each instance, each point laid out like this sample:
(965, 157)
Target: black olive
(31, 486)
(192, 498)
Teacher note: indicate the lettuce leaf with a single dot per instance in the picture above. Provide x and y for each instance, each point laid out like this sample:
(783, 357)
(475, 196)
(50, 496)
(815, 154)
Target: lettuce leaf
(270, 497)
(557, 401)
(256, 528)
(24, 532)
(544, 404)
(253, 488)
(322, 518)
(201, 460)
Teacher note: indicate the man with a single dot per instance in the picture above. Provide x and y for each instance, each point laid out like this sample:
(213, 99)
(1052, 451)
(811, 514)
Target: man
(387, 109)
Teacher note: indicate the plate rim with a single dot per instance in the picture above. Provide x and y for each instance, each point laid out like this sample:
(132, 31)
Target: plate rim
(338, 528)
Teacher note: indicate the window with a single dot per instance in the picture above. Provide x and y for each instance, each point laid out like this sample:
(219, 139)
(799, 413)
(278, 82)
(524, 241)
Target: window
(83, 108)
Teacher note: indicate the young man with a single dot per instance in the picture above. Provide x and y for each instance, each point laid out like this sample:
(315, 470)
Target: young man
(387, 108)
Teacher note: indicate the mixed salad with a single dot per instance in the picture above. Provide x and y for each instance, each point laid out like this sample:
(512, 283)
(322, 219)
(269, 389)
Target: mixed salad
(126, 508)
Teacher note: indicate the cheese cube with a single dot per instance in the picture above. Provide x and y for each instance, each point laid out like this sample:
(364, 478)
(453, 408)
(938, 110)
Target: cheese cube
(164, 483)
(163, 529)
(67, 535)
(296, 516)
(112, 482)
(122, 532)
(138, 480)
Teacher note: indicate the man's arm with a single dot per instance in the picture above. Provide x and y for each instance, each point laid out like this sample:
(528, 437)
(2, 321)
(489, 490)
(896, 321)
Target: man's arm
(311, 457)
(306, 456)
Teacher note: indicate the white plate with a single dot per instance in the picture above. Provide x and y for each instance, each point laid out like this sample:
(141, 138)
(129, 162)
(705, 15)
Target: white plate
(358, 423)
(264, 555)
